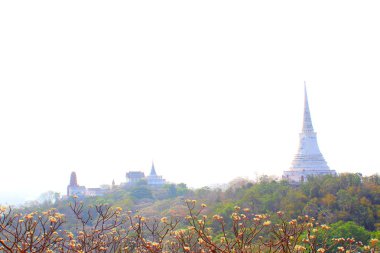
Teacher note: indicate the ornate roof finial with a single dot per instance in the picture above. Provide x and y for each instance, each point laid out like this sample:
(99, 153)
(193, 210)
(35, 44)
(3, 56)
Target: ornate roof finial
(307, 124)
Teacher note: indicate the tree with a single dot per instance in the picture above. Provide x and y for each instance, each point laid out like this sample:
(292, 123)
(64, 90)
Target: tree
(172, 191)
(328, 200)
(141, 192)
(49, 197)
(349, 229)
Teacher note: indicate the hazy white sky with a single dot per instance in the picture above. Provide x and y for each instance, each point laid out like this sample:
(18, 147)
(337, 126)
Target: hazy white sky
(211, 90)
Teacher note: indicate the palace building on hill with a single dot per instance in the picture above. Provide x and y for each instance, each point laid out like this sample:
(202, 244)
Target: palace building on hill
(134, 177)
(153, 179)
(309, 160)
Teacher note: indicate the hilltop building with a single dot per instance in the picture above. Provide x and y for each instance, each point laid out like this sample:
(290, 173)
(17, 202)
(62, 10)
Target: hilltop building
(73, 189)
(152, 179)
(134, 176)
(309, 160)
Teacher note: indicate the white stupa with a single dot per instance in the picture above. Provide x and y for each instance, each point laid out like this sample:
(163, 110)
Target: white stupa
(309, 160)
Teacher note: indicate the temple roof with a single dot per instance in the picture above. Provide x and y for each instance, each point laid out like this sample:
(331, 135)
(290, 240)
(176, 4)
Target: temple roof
(153, 171)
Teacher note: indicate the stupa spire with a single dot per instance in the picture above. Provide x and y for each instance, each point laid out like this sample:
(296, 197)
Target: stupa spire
(307, 123)
(309, 160)
(153, 170)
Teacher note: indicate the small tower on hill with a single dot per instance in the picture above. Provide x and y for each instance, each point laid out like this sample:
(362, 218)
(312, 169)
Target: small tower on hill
(73, 179)
(73, 188)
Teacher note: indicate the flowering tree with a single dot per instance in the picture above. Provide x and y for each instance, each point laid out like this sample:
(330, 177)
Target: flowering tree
(103, 228)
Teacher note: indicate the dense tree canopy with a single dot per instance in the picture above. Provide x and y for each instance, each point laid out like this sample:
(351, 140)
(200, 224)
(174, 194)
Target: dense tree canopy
(349, 202)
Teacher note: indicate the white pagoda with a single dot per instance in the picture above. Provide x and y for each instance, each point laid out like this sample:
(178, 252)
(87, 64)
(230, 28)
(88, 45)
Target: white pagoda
(154, 179)
(309, 160)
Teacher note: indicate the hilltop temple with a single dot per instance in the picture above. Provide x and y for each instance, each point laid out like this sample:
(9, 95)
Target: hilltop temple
(153, 179)
(309, 160)
(133, 178)
(74, 189)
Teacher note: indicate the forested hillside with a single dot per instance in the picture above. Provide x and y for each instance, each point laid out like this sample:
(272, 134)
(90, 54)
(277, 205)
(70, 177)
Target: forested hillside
(347, 197)
(266, 215)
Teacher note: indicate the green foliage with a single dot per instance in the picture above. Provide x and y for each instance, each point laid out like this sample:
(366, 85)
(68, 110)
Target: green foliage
(350, 229)
(329, 199)
(141, 192)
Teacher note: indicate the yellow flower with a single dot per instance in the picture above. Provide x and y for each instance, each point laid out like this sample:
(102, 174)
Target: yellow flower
(299, 248)
(59, 215)
(29, 216)
(325, 227)
(267, 223)
(52, 219)
(70, 235)
(217, 217)
(235, 217)
(341, 249)
(374, 241)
